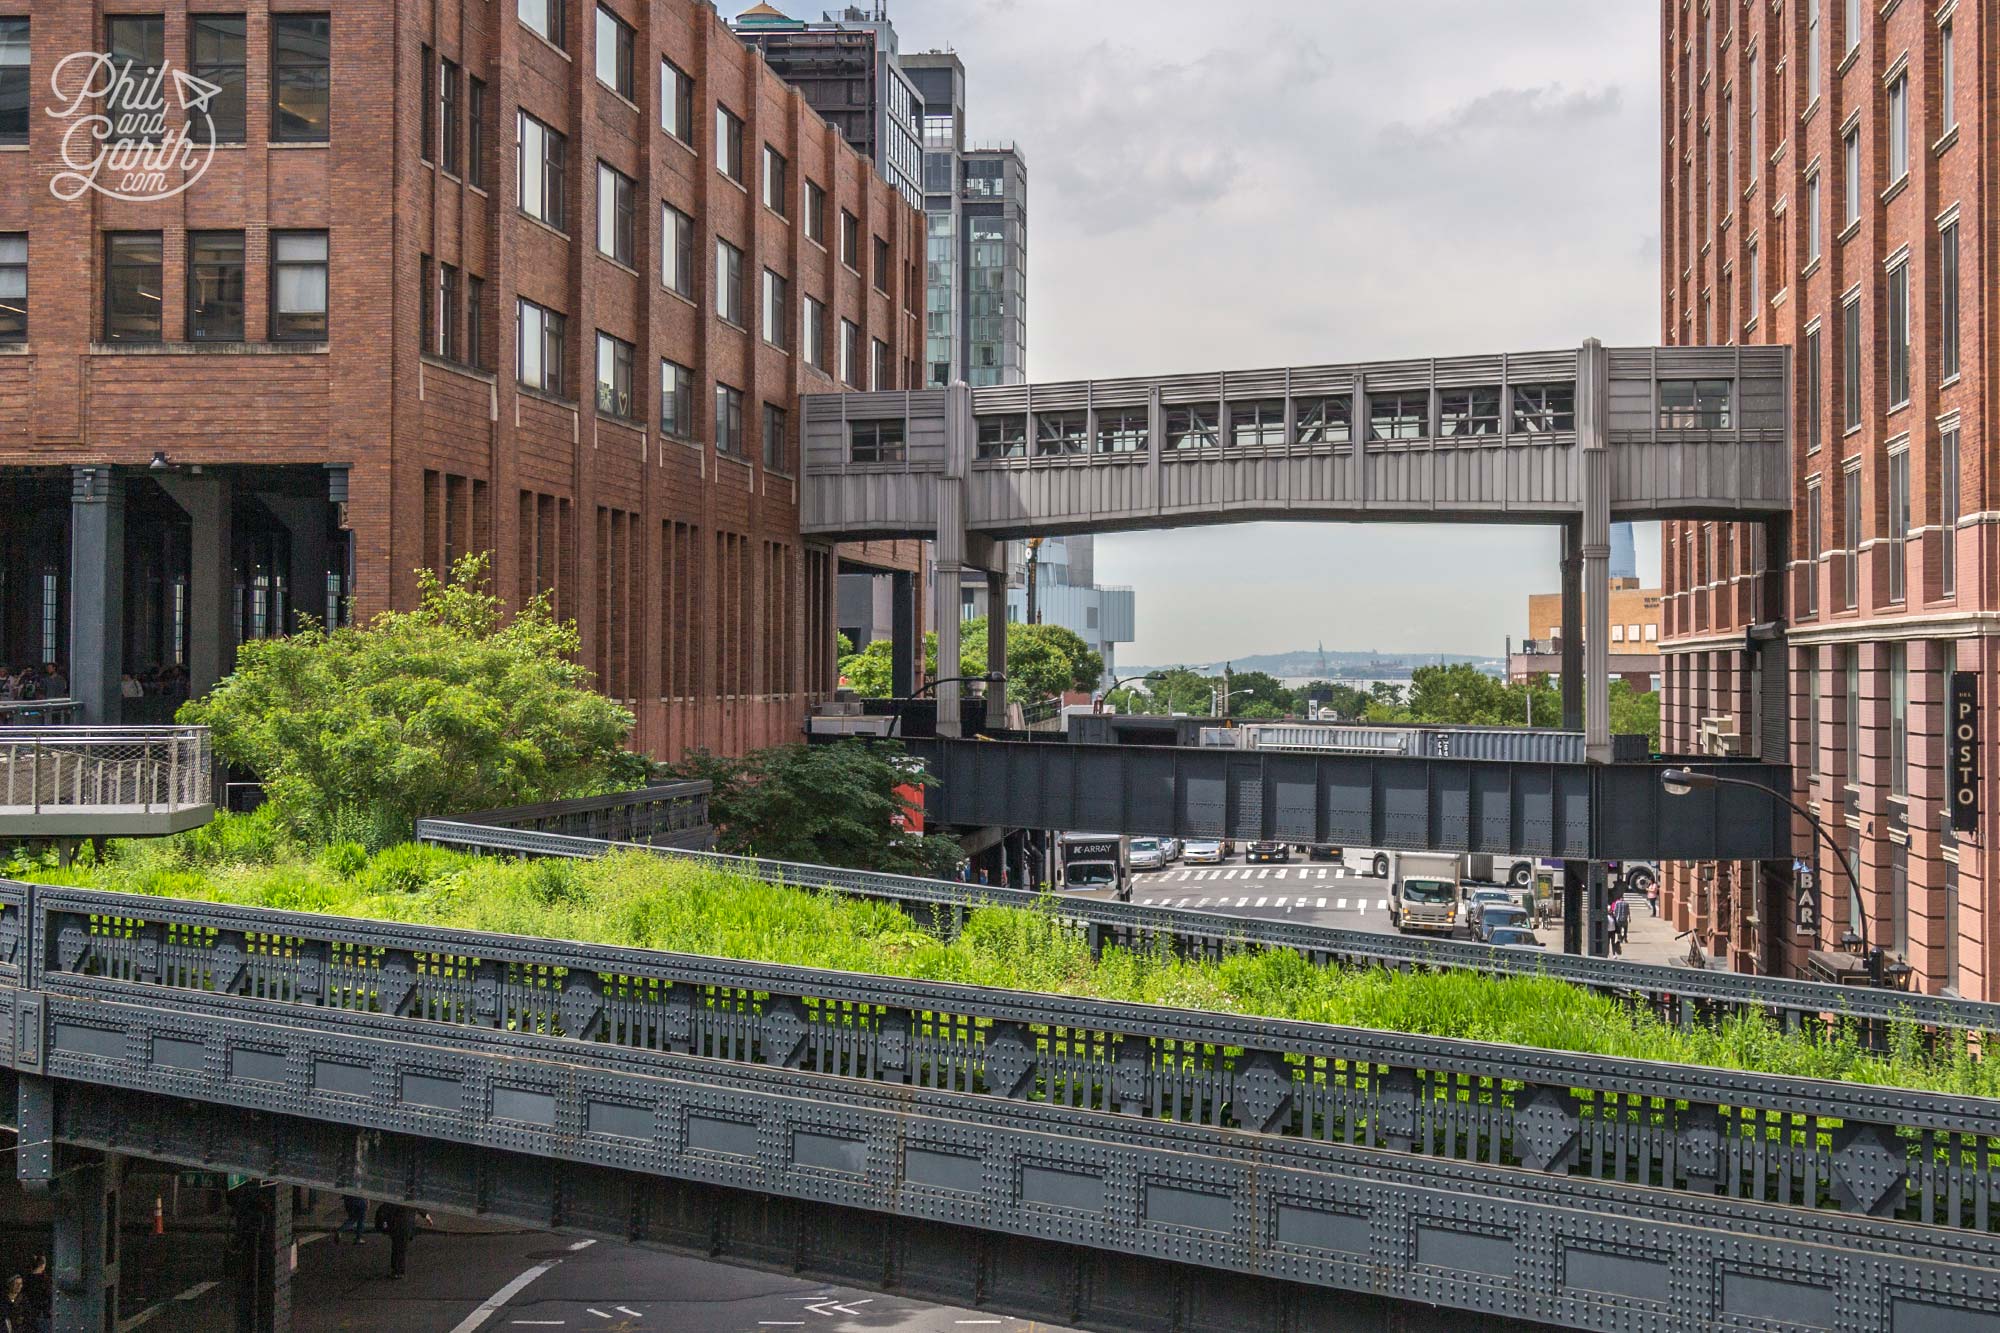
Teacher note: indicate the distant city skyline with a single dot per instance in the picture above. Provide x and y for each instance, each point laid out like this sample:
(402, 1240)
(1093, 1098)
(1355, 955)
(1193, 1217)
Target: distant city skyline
(1195, 208)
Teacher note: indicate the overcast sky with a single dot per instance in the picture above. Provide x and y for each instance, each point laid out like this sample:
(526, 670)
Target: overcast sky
(1226, 185)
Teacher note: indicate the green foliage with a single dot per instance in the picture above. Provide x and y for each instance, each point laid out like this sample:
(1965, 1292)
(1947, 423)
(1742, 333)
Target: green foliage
(1463, 695)
(828, 804)
(1042, 661)
(447, 708)
(687, 906)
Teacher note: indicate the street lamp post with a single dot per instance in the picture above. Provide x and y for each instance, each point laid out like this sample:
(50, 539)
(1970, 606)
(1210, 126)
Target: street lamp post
(926, 688)
(1120, 680)
(1681, 781)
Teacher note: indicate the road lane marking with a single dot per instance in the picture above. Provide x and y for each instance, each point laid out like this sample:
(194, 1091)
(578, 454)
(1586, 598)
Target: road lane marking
(625, 1310)
(1341, 904)
(152, 1312)
(1384, 904)
(493, 1304)
(582, 1245)
(539, 1323)
(1262, 901)
(1242, 902)
(1322, 902)
(1281, 874)
(592, 1310)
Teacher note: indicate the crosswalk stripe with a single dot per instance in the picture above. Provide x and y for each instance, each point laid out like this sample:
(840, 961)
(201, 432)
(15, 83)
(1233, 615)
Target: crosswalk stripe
(1281, 874)
(1262, 901)
(1280, 903)
(1342, 904)
(1242, 902)
(1384, 904)
(1322, 902)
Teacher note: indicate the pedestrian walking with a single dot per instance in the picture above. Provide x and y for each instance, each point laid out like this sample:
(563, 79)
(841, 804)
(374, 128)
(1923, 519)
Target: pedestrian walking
(400, 1221)
(14, 1314)
(38, 1295)
(356, 1209)
(1653, 897)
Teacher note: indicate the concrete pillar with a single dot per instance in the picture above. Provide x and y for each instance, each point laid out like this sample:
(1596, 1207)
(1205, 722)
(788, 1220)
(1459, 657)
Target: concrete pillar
(1592, 438)
(83, 1258)
(996, 648)
(96, 662)
(949, 613)
(905, 652)
(1572, 625)
(208, 499)
(259, 1258)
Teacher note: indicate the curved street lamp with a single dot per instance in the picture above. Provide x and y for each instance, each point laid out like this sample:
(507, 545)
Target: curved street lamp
(926, 688)
(1158, 674)
(1681, 781)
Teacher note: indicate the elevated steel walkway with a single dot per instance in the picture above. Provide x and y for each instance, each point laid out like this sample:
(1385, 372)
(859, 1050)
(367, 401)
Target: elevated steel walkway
(80, 782)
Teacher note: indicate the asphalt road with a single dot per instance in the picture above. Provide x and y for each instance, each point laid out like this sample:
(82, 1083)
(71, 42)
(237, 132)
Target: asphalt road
(1311, 892)
(469, 1278)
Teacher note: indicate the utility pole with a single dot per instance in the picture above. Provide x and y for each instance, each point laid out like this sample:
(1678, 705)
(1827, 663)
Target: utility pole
(1225, 691)
(1034, 561)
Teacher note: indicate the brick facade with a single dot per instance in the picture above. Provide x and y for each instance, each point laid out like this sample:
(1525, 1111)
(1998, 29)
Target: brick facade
(1758, 102)
(698, 601)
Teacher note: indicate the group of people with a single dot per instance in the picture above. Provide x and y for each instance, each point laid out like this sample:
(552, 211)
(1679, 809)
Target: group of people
(399, 1220)
(170, 682)
(31, 682)
(27, 1301)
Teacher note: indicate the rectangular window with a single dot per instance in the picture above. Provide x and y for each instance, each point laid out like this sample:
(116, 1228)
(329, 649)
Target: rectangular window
(815, 213)
(447, 313)
(1812, 218)
(540, 152)
(1948, 299)
(676, 400)
(1850, 537)
(728, 420)
(1899, 335)
(881, 374)
(1756, 106)
(728, 282)
(1851, 25)
(775, 450)
(1812, 51)
(132, 287)
(215, 56)
(1694, 404)
(1726, 130)
(448, 117)
(1469, 412)
(1812, 534)
(538, 347)
(301, 82)
(14, 80)
(677, 251)
(1850, 170)
(215, 286)
(545, 18)
(881, 265)
(850, 240)
(1191, 426)
(1899, 128)
(1005, 437)
(137, 45)
(614, 375)
(1850, 362)
(676, 102)
(1899, 519)
(1404, 415)
(1257, 424)
(1948, 510)
(875, 441)
(850, 354)
(1812, 711)
(1899, 719)
(1947, 78)
(812, 333)
(298, 286)
(426, 103)
(617, 214)
(729, 144)
(1754, 287)
(1061, 434)
(13, 287)
(1813, 377)
(614, 52)
(1851, 730)
(1119, 430)
(475, 320)
(475, 133)
(1542, 409)
(777, 308)
(426, 307)
(777, 185)
(1324, 420)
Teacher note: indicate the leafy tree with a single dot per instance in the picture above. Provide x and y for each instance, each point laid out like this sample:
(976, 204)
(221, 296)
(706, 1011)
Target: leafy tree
(444, 709)
(1042, 661)
(1347, 702)
(1635, 713)
(836, 804)
(1259, 694)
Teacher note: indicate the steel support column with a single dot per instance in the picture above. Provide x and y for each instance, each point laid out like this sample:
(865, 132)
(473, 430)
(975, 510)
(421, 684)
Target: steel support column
(1575, 874)
(905, 650)
(306, 519)
(951, 554)
(1572, 625)
(1594, 458)
(259, 1257)
(97, 593)
(209, 500)
(996, 647)
(84, 1252)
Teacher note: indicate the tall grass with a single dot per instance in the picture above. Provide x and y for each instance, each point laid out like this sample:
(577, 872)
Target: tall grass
(640, 900)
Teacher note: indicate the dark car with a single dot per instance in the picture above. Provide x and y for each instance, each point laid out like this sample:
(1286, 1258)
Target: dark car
(1495, 917)
(1265, 850)
(1514, 937)
(1323, 851)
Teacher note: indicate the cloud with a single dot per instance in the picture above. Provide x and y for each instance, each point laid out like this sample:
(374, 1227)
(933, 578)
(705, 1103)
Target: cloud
(1506, 112)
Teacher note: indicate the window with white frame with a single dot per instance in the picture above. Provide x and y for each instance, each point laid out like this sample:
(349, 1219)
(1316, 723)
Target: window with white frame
(1899, 127)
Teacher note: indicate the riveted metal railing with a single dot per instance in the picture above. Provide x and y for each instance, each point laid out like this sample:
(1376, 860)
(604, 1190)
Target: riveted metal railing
(673, 814)
(1800, 1143)
(108, 769)
(1677, 996)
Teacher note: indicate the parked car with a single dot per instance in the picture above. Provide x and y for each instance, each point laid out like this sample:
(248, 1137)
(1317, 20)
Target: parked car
(1172, 848)
(1145, 854)
(1479, 899)
(1323, 851)
(1202, 851)
(1265, 850)
(1515, 937)
(1498, 917)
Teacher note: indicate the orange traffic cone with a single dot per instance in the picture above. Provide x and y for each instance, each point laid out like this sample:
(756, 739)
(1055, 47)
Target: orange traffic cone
(159, 1216)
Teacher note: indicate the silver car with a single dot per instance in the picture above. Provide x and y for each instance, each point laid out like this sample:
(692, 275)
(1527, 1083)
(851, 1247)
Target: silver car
(1145, 854)
(1202, 852)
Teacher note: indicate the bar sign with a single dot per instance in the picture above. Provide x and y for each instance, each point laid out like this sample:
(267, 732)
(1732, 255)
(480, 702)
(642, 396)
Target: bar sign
(1963, 768)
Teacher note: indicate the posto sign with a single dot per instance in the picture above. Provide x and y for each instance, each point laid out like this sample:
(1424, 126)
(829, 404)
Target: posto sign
(1962, 768)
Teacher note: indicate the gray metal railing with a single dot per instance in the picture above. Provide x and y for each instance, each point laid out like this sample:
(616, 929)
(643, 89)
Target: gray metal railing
(1805, 1145)
(110, 768)
(673, 814)
(1676, 995)
(38, 712)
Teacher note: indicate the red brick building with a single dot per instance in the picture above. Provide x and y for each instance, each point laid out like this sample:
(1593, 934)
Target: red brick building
(544, 279)
(1831, 180)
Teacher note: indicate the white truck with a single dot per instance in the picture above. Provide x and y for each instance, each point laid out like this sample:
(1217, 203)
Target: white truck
(1428, 892)
(1097, 861)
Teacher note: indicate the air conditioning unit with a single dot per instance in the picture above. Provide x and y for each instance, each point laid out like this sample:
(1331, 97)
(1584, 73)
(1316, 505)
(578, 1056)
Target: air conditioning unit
(1721, 736)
